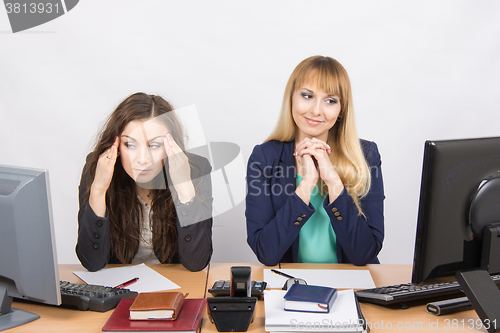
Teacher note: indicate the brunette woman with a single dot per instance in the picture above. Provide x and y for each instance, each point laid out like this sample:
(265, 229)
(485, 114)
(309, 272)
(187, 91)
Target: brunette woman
(143, 199)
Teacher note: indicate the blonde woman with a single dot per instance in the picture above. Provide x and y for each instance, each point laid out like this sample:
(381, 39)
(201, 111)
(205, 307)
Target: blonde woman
(315, 190)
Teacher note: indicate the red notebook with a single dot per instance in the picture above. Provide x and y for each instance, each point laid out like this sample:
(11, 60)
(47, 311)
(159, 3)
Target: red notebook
(188, 320)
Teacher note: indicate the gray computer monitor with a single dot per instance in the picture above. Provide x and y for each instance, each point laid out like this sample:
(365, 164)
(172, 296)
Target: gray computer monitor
(28, 262)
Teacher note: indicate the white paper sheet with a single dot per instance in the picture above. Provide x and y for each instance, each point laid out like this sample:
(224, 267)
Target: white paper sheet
(340, 279)
(343, 316)
(149, 279)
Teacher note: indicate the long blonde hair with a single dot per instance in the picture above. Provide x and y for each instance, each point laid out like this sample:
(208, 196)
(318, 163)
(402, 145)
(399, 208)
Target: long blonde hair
(347, 156)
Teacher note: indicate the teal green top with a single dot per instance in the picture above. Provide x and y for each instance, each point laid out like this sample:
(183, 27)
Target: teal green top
(317, 240)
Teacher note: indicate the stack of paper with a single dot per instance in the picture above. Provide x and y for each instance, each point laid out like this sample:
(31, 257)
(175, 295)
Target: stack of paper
(335, 278)
(149, 279)
(343, 316)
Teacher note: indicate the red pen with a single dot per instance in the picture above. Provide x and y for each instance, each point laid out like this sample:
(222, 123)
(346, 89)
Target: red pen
(128, 283)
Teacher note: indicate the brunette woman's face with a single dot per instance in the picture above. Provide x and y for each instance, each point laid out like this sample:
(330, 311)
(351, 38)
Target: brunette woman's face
(314, 111)
(142, 151)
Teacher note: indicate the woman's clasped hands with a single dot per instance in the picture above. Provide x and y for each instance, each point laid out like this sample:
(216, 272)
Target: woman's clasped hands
(313, 162)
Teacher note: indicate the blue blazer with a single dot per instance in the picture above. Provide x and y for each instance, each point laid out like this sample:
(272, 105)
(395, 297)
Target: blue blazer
(275, 214)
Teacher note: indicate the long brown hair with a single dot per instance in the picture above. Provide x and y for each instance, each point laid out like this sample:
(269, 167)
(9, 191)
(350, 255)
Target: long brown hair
(347, 156)
(123, 206)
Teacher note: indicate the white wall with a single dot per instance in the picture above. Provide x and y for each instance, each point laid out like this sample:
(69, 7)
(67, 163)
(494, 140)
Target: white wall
(419, 69)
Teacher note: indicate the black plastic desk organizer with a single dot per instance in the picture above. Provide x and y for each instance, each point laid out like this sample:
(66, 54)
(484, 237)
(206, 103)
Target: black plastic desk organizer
(234, 313)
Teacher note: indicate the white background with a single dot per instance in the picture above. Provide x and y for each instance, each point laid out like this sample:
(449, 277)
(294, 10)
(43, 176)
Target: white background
(419, 70)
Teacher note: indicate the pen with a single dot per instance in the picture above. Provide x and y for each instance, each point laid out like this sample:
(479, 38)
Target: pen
(128, 283)
(283, 274)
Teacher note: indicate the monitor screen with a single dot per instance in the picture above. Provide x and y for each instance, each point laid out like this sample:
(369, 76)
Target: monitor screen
(28, 263)
(453, 172)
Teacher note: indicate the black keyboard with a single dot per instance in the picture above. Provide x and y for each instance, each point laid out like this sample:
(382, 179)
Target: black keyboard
(92, 297)
(222, 288)
(403, 293)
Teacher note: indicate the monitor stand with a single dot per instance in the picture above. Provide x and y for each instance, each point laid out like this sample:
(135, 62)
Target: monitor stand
(480, 289)
(10, 317)
(484, 296)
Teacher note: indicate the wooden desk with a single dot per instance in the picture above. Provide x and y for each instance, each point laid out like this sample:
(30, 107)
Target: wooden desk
(414, 319)
(380, 318)
(57, 319)
(223, 272)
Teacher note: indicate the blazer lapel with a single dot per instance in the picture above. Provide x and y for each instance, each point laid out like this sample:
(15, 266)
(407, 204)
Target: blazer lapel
(286, 171)
(288, 181)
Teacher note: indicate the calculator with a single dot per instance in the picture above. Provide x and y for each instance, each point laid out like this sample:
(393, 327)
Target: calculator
(222, 288)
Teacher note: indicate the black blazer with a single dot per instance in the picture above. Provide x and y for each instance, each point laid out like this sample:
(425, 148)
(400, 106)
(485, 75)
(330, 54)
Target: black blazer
(194, 240)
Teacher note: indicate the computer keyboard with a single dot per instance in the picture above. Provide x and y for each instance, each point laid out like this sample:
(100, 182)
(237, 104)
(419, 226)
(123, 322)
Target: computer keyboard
(92, 297)
(403, 293)
(222, 288)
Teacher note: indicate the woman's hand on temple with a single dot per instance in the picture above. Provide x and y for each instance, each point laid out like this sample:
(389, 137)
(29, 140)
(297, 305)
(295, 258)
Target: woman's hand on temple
(105, 167)
(102, 179)
(179, 169)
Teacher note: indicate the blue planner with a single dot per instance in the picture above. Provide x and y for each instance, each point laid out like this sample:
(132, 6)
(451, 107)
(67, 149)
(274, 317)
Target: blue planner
(308, 298)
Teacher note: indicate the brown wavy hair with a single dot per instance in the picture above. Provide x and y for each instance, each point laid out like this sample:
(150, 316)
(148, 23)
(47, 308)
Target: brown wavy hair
(124, 208)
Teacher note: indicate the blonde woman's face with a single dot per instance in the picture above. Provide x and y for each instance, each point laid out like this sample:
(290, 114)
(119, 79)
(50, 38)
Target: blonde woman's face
(142, 150)
(314, 112)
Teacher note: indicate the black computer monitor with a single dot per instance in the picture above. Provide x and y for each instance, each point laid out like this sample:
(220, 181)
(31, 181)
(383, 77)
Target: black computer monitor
(459, 211)
(28, 263)
(452, 173)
